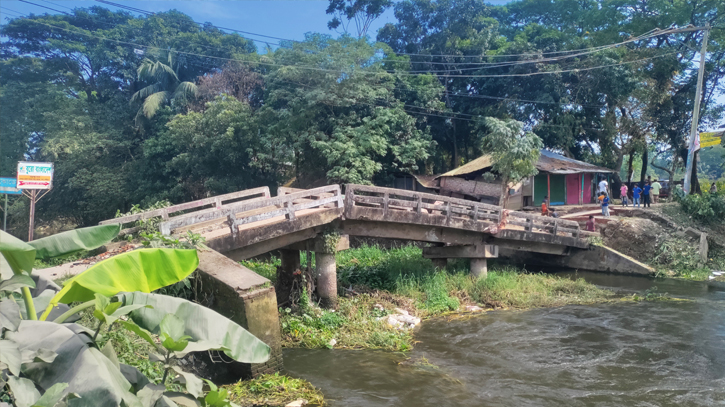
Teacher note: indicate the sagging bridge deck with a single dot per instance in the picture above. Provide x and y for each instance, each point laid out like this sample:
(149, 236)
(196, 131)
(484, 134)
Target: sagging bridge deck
(247, 223)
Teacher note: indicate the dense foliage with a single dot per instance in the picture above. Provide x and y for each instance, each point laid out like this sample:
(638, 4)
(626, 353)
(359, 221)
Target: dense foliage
(137, 109)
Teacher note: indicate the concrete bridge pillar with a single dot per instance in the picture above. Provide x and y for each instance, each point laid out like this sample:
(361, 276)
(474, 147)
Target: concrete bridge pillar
(479, 268)
(477, 253)
(326, 279)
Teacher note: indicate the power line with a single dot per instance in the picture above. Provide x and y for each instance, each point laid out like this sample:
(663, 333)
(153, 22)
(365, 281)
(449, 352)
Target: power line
(361, 71)
(494, 65)
(206, 66)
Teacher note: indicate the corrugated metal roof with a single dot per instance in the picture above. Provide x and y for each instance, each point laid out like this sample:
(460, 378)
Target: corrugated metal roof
(548, 162)
(558, 164)
(428, 181)
(479, 163)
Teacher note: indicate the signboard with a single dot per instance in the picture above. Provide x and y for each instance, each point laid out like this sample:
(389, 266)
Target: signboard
(35, 175)
(710, 139)
(7, 186)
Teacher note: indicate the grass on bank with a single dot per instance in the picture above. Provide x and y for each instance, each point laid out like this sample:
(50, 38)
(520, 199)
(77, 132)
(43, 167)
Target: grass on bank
(374, 282)
(274, 390)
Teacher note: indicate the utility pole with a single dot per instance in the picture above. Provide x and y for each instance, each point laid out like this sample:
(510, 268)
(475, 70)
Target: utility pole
(696, 115)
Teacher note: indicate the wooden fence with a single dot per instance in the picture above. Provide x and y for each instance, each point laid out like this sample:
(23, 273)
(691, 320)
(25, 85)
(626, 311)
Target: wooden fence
(397, 203)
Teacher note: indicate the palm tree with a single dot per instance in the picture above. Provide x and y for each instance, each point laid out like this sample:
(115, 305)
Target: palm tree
(165, 86)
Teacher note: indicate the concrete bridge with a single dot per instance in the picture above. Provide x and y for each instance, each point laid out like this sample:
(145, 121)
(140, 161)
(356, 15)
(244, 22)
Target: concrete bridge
(249, 223)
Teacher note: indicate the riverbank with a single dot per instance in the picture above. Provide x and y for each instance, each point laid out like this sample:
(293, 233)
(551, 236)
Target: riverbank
(379, 283)
(668, 239)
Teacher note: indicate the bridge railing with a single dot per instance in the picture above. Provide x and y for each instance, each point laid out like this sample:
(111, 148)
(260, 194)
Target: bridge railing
(468, 213)
(188, 208)
(286, 204)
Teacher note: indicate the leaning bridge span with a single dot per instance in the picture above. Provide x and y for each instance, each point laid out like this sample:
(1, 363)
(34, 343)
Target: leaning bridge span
(249, 223)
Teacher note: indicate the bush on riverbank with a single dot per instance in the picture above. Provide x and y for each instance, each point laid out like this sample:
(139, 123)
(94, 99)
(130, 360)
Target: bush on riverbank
(374, 282)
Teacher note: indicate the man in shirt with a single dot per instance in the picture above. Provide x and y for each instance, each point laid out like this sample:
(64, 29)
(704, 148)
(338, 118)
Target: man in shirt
(623, 192)
(603, 186)
(656, 186)
(646, 194)
(636, 195)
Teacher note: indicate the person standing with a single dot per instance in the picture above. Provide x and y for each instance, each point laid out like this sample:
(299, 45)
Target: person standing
(591, 227)
(605, 204)
(636, 195)
(545, 206)
(623, 191)
(646, 195)
(603, 186)
(656, 186)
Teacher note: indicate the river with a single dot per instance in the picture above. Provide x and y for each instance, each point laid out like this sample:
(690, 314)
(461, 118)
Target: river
(661, 353)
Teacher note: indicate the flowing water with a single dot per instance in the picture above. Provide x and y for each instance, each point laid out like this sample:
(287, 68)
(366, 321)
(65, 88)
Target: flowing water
(624, 354)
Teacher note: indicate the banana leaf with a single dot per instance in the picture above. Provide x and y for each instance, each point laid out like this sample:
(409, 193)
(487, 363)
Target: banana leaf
(75, 240)
(19, 256)
(204, 326)
(142, 270)
(88, 372)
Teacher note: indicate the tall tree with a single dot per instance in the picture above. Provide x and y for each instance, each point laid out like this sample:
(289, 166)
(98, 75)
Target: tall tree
(164, 87)
(514, 152)
(360, 12)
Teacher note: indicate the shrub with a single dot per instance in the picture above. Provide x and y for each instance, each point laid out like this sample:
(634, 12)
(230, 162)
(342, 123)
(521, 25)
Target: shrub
(706, 207)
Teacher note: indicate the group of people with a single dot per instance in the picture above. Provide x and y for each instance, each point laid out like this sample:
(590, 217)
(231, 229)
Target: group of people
(645, 194)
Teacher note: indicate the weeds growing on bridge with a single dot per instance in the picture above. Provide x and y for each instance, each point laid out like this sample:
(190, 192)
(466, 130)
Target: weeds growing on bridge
(373, 282)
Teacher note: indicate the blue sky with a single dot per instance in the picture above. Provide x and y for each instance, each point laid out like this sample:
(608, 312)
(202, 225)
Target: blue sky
(284, 19)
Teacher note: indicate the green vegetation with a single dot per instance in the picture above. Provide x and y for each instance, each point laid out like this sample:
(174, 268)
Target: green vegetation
(113, 293)
(678, 257)
(705, 207)
(375, 282)
(273, 390)
(168, 125)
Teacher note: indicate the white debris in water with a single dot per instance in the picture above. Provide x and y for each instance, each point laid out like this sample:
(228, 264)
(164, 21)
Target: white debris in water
(718, 273)
(473, 308)
(711, 277)
(333, 342)
(297, 403)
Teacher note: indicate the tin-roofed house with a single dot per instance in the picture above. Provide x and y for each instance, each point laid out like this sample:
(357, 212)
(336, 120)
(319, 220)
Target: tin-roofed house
(565, 180)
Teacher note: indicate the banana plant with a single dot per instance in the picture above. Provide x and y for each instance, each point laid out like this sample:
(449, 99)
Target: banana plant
(49, 361)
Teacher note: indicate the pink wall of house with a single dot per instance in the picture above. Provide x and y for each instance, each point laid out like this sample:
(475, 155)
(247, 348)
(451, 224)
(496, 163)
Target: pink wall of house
(573, 187)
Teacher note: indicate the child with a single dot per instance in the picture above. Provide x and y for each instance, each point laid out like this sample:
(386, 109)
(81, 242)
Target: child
(623, 191)
(605, 204)
(635, 195)
(590, 224)
(544, 206)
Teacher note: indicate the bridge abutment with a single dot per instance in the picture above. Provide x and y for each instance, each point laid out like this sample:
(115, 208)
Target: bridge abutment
(246, 298)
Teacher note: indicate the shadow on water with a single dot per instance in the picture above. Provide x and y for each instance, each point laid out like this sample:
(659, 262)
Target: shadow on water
(622, 354)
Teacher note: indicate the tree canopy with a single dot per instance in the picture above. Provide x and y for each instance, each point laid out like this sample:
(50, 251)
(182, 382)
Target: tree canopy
(135, 109)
